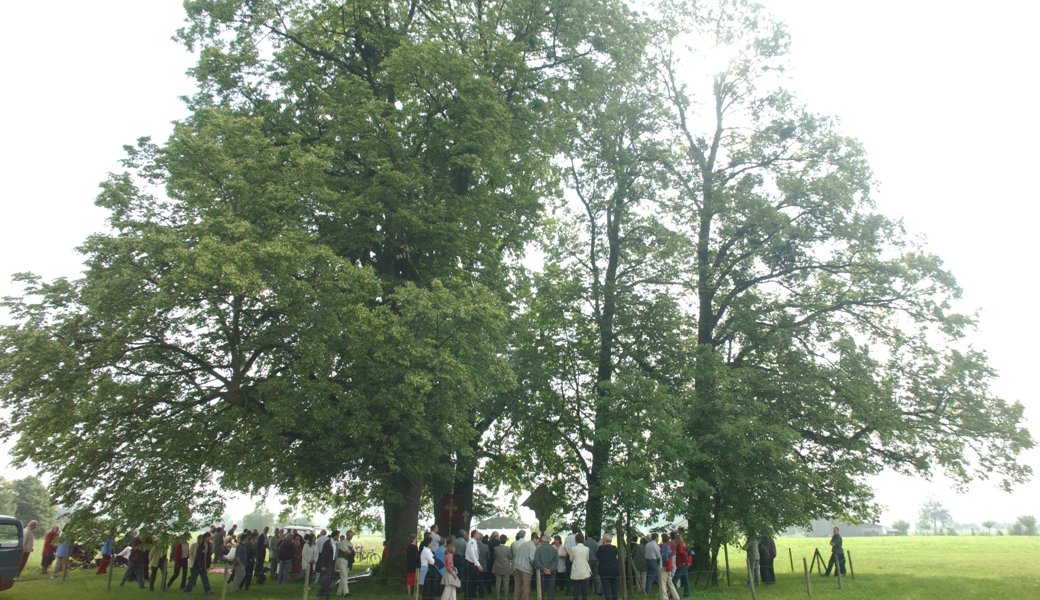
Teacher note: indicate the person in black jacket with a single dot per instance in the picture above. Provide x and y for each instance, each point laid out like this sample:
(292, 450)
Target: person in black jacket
(200, 552)
(609, 567)
(325, 567)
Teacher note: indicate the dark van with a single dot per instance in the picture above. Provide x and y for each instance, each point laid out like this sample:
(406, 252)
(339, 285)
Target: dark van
(10, 550)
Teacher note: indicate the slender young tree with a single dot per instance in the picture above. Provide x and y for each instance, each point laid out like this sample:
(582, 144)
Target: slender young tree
(828, 346)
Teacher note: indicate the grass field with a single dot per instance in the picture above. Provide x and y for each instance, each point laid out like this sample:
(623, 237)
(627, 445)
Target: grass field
(946, 568)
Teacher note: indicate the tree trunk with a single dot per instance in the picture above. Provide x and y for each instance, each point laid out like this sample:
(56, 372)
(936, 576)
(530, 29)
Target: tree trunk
(401, 514)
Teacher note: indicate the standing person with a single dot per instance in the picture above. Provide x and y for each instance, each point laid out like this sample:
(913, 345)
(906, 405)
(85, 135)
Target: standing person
(218, 545)
(344, 562)
(593, 543)
(309, 558)
(272, 544)
(286, 552)
(545, 560)
(474, 570)
(440, 555)
(411, 561)
(486, 578)
(652, 554)
(200, 553)
(561, 563)
(49, 548)
(523, 557)
(435, 535)
(137, 563)
(181, 555)
(502, 567)
(156, 560)
(581, 572)
(767, 552)
(107, 547)
(639, 562)
(428, 575)
(61, 553)
(753, 559)
(837, 555)
(325, 566)
(28, 541)
(609, 567)
(664, 575)
(262, 541)
(241, 563)
(450, 577)
(683, 560)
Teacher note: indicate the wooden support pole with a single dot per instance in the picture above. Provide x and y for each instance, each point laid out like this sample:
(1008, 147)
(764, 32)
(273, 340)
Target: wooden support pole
(307, 582)
(852, 572)
(417, 586)
(162, 590)
(790, 555)
(223, 591)
(805, 568)
(538, 584)
(837, 569)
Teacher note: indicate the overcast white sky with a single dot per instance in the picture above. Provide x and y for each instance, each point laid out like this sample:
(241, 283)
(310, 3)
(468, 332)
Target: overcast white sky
(942, 94)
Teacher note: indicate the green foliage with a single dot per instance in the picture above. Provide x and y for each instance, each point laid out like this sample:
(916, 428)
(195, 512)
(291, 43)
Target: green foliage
(258, 518)
(32, 501)
(313, 285)
(903, 526)
(1024, 525)
(934, 516)
(8, 499)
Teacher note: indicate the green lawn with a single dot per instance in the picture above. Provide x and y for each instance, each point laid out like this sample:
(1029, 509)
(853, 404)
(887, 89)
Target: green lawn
(947, 568)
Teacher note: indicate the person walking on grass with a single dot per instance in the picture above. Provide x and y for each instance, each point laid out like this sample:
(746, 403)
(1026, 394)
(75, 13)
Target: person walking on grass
(325, 567)
(200, 561)
(181, 558)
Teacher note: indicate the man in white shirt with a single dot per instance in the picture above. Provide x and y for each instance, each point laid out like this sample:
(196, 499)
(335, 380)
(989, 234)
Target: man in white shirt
(473, 566)
(344, 560)
(28, 541)
(436, 537)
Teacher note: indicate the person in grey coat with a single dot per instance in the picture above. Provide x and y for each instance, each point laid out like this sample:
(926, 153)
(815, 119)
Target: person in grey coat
(502, 567)
(546, 559)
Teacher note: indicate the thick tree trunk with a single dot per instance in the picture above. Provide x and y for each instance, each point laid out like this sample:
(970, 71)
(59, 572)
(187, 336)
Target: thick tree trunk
(401, 514)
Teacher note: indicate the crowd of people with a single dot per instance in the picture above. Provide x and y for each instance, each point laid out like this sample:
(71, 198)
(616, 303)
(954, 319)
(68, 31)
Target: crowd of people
(287, 555)
(480, 565)
(469, 564)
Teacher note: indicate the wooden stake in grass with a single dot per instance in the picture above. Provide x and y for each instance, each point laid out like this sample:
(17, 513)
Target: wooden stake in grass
(791, 556)
(223, 592)
(111, 568)
(538, 584)
(805, 568)
(852, 572)
(307, 584)
(417, 584)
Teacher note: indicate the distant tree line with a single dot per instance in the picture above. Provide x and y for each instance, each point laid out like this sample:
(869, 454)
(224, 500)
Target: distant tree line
(27, 499)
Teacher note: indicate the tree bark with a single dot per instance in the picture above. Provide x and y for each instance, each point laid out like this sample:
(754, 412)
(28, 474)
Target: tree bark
(401, 513)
